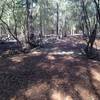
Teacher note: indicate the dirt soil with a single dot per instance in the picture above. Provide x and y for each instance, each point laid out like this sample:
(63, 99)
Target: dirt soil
(56, 72)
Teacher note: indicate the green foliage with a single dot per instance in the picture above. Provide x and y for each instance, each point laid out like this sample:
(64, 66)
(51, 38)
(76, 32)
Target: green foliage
(70, 12)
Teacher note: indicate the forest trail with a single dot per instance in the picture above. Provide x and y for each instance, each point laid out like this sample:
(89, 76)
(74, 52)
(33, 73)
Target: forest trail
(55, 72)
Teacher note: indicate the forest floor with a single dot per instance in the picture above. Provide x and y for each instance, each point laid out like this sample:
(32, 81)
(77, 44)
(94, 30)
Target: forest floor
(56, 72)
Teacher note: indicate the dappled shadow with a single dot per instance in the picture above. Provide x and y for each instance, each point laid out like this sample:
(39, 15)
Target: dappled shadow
(7, 46)
(39, 77)
(67, 46)
(18, 75)
(49, 75)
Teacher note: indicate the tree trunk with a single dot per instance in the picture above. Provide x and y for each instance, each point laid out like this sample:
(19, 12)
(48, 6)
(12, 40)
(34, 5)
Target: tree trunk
(57, 30)
(30, 30)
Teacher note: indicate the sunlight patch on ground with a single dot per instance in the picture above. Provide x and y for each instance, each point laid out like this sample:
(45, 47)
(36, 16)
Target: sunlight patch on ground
(96, 75)
(62, 53)
(36, 53)
(68, 58)
(17, 59)
(13, 98)
(36, 91)
(50, 57)
(44, 65)
(85, 93)
(68, 98)
(57, 95)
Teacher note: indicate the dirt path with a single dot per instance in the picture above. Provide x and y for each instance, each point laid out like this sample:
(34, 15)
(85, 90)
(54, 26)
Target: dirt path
(56, 72)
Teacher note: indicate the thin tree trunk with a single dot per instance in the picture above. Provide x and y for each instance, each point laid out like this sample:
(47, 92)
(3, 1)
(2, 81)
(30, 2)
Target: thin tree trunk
(41, 27)
(57, 30)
